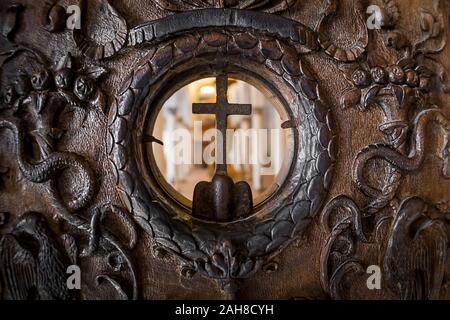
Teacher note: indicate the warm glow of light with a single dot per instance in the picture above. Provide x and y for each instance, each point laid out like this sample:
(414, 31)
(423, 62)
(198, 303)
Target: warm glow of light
(207, 90)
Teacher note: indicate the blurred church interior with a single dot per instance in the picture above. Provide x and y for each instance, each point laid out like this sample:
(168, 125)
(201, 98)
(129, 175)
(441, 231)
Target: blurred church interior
(177, 113)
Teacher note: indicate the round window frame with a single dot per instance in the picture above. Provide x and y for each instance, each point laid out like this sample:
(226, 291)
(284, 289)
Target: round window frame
(155, 105)
(234, 250)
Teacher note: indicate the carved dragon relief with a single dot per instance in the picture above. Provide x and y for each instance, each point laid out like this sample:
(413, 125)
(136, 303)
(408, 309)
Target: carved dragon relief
(338, 52)
(33, 100)
(411, 240)
(404, 85)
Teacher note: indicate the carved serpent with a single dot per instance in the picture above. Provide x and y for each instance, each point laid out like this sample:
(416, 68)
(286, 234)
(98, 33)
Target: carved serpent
(403, 162)
(56, 163)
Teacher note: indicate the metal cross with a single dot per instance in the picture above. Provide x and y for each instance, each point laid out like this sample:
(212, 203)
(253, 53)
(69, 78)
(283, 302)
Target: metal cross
(222, 109)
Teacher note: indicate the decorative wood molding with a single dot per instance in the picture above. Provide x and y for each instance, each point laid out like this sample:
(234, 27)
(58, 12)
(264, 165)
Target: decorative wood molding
(73, 141)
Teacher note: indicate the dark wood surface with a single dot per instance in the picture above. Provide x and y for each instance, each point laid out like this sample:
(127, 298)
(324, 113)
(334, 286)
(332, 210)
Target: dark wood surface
(368, 185)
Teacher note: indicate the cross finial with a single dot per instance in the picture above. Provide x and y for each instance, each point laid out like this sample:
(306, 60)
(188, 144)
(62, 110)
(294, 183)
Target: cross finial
(222, 199)
(221, 109)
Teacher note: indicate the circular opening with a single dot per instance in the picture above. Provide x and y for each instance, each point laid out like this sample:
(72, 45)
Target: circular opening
(183, 148)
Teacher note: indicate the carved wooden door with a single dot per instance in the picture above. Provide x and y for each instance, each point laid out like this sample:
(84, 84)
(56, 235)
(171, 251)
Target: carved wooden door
(363, 209)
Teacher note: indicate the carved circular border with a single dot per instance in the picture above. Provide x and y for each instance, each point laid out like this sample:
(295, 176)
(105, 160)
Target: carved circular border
(210, 249)
(186, 73)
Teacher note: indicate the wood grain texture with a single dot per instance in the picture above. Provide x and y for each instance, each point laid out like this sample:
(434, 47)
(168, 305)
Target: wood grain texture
(369, 184)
